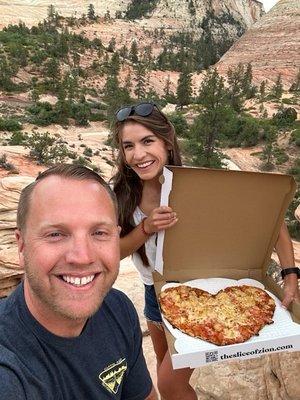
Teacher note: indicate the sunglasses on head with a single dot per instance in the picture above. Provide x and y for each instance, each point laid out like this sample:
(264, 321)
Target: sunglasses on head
(142, 109)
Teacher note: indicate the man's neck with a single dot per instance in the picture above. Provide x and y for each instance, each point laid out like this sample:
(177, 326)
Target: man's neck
(55, 323)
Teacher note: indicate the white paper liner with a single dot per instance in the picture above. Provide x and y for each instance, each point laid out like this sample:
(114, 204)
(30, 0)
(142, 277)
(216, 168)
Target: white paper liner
(283, 324)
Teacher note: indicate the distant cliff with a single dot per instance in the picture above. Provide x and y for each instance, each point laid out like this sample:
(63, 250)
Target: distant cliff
(272, 45)
(190, 12)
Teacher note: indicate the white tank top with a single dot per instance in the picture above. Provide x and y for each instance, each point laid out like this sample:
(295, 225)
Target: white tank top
(150, 247)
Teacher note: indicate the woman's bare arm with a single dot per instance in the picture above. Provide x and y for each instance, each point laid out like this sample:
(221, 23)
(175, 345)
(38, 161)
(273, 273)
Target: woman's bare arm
(160, 218)
(285, 252)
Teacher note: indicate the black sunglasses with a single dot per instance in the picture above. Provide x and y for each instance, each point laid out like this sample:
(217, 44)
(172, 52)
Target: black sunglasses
(142, 109)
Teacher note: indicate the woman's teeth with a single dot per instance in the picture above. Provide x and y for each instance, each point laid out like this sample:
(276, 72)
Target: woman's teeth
(145, 164)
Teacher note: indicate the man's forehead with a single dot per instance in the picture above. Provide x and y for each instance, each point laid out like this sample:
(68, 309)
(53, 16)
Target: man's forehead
(54, 184)
(59, 192)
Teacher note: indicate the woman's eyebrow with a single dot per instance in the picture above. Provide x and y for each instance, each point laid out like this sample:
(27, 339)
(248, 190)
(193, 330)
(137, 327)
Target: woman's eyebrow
(143, 138)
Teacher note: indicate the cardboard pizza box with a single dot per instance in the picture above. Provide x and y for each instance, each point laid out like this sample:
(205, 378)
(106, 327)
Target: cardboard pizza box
(228, 225)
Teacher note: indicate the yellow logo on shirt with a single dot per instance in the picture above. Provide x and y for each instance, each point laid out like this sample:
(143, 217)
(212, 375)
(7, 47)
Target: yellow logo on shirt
(113, 375)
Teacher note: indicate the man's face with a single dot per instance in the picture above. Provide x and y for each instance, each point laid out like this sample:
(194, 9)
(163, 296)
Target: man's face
(70, 249)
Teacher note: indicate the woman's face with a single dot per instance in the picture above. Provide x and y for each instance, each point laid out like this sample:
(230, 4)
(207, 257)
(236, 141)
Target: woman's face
(145, 152)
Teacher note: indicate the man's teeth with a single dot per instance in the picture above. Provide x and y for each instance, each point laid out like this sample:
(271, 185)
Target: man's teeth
(145, 164)
(78, 281)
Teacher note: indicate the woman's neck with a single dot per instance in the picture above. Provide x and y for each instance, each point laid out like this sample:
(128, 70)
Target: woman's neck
(150, 195)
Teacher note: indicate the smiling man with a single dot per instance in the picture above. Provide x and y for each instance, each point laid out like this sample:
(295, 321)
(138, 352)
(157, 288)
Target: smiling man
(64, 333)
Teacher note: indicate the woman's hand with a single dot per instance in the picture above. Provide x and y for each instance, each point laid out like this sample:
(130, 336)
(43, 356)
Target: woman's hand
(160, 218)
(290, 290)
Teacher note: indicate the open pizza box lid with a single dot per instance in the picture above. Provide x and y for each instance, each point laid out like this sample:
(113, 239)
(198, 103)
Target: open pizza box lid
(228, 225)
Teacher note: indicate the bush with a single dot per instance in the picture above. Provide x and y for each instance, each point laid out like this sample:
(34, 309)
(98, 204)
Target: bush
(295, 170)
(80, 161)
(81, 113)
(285, 116)
(242, 130)
(280, 156)
(6, 165)
(42, 114)
(45, 150)
(10, 124)
(180, 124)
(88, 152)
(17, 138)
(295, 136)
(97, 117)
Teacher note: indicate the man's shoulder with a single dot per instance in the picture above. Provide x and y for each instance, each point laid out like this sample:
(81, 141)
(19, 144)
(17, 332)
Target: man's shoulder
(116, 296)
(8, 305)
(119, 305)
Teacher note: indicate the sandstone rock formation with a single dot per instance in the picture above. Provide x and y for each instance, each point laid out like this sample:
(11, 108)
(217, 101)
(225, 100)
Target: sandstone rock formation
(272, 377)
(245, 11)
(10, 272)
(31, 12)
(271, 45)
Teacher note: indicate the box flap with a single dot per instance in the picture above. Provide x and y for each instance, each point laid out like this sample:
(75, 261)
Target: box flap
(228, 222)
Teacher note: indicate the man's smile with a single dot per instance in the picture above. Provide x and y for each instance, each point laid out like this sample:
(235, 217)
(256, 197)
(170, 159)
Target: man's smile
(78, 281)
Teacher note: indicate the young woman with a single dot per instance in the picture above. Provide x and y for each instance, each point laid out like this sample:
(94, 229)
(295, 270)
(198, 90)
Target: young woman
(147, 142)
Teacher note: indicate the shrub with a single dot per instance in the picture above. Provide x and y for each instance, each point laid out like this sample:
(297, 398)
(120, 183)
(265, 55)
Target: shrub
(6, 165)
(295, 170)
(10, 124)
(285, 116)
(45, 150)
(99, 116)
(295, 136)
(81, 113)
(240, 130)
(17, 138)
(42, 114)
(80, 161)
(180, 124)
(280, 156)
(88, 152)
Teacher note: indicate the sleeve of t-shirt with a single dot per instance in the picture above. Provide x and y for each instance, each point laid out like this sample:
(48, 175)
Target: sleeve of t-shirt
(10, 386)
(138, 382)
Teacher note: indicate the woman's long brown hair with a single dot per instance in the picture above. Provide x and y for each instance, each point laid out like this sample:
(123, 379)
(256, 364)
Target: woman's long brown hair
(127, 185)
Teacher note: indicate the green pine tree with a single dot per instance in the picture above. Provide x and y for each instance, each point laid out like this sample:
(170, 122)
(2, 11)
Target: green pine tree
(133, 52)
(91, 13)
(277, 88)
(295, 87)
(111, 45)
(140, 77)
(184, 88)
(211, 121)
(235, 77)
(262, 91)
(247, 87)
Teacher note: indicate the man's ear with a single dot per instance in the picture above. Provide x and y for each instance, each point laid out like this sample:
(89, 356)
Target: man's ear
(21, 245)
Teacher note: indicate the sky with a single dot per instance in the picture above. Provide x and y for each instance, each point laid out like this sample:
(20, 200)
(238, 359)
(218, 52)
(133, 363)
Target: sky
(268, 4)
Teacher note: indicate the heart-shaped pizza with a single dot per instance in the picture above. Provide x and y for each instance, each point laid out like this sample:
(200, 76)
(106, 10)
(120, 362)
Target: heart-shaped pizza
(233, 315)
